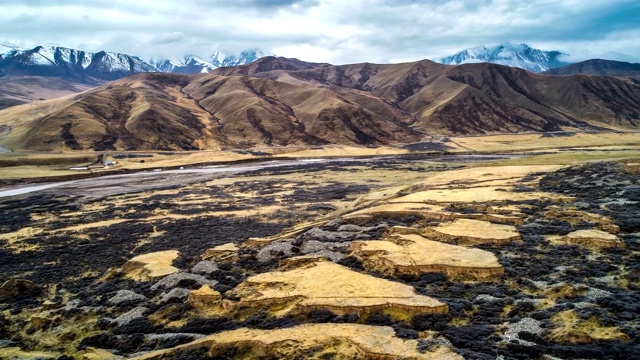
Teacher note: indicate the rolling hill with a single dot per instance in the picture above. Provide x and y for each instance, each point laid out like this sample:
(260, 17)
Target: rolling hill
(600, 67)
(278, 102)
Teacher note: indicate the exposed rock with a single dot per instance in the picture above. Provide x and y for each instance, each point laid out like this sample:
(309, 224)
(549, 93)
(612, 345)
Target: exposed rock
(226, 252)
(593, 238)
(323, 235)
(362, 229)
(17, 287)
(331, 255)
(175, 294)
(346, 341)
(129, 316)
(205, 296)
(311, 246)
(126, 296)
(415, 255)
(465, 231)
(527, 324)
(151, 266)
(266, 253)
(175, 280)
(204, 267)
(307, 288)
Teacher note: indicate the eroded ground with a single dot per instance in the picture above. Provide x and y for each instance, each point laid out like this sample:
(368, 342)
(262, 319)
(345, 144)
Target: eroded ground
(412, 258)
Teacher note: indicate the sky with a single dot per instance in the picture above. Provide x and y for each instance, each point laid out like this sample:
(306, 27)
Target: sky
(333, 31)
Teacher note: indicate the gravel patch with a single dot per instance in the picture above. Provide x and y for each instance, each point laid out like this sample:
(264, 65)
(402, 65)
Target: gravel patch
(268, 252)
(129, 316)
(126, 297)
(526, 324)
(174, 280)
(175, 294)
(205, 267)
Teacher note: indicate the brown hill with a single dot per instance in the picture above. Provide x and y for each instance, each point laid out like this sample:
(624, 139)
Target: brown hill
(16, 90)
(599, 67)
(277, 101)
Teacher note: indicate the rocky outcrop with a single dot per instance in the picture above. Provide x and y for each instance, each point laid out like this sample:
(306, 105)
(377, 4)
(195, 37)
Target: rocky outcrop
(204, 296)
(227, 252)
(123, 297)
(299, 290)
(182, 279)
(468, 232)
(593, 238)
(309, 341)
(204, 267)
(151, 266)
(415, 255)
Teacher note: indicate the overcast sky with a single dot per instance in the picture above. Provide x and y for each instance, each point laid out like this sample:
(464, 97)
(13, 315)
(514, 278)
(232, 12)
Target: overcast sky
(335, 31)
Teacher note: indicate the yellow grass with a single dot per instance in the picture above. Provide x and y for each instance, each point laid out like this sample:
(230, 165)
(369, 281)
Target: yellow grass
(513, 142)
(570, 328)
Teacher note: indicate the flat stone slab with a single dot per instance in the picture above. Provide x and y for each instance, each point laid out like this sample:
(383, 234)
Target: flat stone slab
(593, 238)
(415, 255)
(225, 252)
(347, 341)
(320, 284)
(151, 265)
(467, 231)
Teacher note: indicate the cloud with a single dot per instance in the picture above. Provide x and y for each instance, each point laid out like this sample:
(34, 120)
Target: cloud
(325, 30)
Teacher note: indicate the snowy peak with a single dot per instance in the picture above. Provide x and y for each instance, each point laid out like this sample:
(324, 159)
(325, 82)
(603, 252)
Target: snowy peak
(515, 55)
(103, 66)
(70, 63)
(189, 65)
(195, 65)
(245, 57)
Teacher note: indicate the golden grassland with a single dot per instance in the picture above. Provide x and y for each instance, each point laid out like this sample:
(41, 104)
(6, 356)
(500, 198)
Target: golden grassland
(535, 149)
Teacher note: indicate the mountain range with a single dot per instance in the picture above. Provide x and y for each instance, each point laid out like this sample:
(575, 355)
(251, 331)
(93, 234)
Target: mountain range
(96, 68)
(515, 55)
(195, 65)
(47, 72)
(277, 102)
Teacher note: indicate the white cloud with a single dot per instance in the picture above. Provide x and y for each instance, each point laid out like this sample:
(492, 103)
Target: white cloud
(324, 30)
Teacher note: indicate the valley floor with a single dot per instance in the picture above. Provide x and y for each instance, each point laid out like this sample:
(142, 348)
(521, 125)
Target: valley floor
(530, 250)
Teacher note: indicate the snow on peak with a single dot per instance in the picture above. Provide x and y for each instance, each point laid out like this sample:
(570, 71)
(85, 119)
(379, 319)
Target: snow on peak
(515, 55)
(192, 64)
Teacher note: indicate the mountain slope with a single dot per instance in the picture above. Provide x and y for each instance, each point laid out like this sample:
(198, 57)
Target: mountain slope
(278, 102)
(599, 67)
(520, 55)
(15, 90)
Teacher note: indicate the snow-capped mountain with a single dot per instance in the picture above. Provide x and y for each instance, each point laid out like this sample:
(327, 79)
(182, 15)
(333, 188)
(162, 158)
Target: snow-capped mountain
(245, 57)
(196, 65)
(91, 68)
(70, 63)
(515, 55)
(188, 65)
